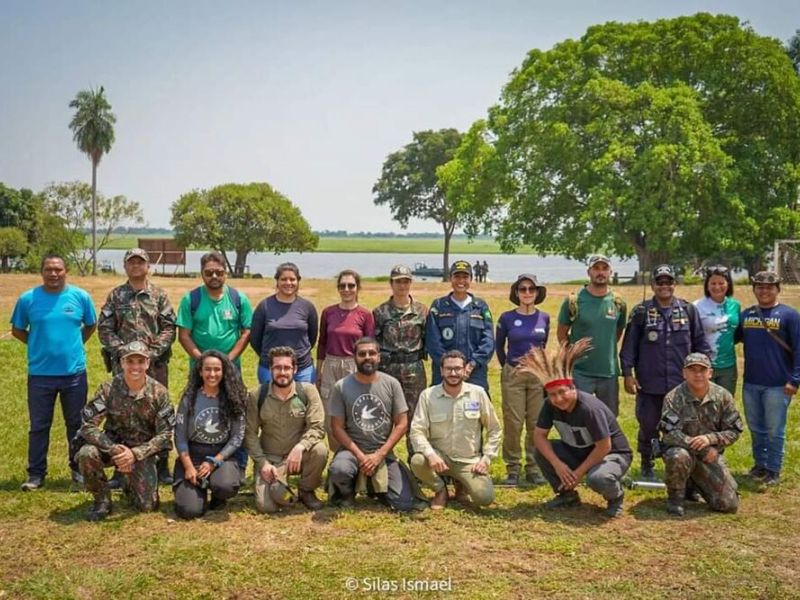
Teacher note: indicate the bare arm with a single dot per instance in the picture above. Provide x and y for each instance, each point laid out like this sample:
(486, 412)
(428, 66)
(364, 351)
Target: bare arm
(20, 334)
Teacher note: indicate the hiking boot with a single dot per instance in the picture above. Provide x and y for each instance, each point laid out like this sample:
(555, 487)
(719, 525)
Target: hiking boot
(675, 502)
(101, 507)
(342, 500)
(439, 500)
(647, 473)
(512, 480)
(563, 499)
(310, 500)
(216, 503)
(535, 478)
(117, 482)
(757, 472)
(772, 478)
(33, 483)
(614, 508)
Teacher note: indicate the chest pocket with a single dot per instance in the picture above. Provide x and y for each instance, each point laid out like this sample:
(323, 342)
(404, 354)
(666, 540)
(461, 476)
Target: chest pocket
(472, 410)
(297, 410)
(439, 423)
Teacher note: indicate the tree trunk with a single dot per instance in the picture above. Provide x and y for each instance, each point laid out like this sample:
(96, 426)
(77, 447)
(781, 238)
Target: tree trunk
(448, 228)
(94, 217)
(228, 266)
(241, 263)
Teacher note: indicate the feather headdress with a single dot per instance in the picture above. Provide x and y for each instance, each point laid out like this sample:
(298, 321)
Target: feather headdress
(554, 368)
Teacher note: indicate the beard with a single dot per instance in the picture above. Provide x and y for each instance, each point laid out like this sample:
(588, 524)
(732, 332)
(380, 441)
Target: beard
(367, 367)
(282, 382)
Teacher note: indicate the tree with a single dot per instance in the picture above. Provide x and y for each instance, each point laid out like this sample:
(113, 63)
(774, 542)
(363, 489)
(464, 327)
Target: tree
(663, 140)
(243, 218)
(93, 131)
(793, 50)
(13, 244)
(411, 188)
(74, 205)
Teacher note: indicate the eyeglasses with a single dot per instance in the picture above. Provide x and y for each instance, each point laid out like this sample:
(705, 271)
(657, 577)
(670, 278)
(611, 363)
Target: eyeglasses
(348, 286)
(452, 369)
(214, 273)
(366, 353)
(526, 289)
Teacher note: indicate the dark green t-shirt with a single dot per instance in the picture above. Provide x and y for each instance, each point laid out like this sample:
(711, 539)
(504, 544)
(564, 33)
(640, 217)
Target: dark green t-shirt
(598, 318)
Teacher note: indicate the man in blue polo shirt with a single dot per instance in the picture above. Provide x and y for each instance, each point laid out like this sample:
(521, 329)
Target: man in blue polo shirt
(54, 320)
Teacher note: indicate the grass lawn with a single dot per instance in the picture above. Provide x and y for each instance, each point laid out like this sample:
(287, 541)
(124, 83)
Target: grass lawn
(390, 245)
(514, 549)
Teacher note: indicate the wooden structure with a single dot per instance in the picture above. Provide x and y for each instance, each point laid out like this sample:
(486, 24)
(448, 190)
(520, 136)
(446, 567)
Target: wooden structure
(164, 251)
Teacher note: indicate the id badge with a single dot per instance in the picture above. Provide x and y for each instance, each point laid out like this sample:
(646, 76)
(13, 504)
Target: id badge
(472, 409)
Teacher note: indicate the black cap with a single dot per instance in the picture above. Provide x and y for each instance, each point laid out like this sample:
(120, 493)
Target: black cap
(461, 266)
(664, 271)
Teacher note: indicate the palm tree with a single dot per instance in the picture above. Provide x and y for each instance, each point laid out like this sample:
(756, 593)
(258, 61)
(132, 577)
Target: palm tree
(93, 132)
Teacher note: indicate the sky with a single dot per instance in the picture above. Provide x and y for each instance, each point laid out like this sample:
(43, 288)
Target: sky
(310, 97)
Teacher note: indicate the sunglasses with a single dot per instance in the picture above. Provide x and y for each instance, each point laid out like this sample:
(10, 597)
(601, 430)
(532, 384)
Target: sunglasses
(717, 270)
(526, 289)
(665, 283)
(348, 286)
(214, 273)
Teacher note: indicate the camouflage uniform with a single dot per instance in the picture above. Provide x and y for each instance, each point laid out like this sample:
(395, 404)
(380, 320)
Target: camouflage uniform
(146, 315)
(684, 417)
(401, 335)
(143, 422)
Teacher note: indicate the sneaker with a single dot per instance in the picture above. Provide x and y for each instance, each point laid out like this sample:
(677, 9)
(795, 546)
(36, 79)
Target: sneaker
(614, 508)
(535, 478)
(512, 480)
(310, 500)
(77, 478)
(33, 483)
(216, 503)
(675, 508)
(757, 472)
(772, 478)
(100, 509)
(648, 474)
(692, 495)
(439, 500)
(564, 499)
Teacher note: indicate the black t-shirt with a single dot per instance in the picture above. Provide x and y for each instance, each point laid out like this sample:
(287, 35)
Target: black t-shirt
(588, 423)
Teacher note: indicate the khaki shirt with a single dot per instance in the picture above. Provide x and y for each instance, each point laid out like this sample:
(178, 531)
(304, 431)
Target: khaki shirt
(281, 424)
(453, 427)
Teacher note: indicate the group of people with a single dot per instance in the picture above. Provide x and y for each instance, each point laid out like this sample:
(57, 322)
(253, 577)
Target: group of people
(368, 389)
(480, 271)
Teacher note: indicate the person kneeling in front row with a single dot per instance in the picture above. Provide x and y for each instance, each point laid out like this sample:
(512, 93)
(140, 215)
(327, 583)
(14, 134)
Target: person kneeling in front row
(447, 433)
(209, 429)
(592, 444)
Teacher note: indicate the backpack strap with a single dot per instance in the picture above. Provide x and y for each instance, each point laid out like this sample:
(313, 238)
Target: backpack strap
(299, 389)
(572, 306)
(263, 390)
(194, 299)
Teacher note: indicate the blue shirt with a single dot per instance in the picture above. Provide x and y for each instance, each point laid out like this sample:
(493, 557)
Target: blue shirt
(765, 360)
(523, 332)
(54, 323)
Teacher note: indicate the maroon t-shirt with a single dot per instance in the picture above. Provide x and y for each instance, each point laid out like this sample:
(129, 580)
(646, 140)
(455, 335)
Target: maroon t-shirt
(339, 329)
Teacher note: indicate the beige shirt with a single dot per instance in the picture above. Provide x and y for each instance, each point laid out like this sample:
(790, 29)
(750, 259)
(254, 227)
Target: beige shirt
(453, 427)
(281, 424)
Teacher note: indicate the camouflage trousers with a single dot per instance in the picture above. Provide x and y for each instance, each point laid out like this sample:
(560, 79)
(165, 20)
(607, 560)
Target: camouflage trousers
(713, 480)
(413, 380)
(141, 485)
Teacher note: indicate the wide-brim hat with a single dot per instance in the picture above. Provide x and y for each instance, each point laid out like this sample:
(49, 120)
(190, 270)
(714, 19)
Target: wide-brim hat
(541, 291)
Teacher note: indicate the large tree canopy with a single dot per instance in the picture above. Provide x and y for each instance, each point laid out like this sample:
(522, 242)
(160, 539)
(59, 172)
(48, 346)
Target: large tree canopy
(242, 218)
(669, 139)
(410, 187)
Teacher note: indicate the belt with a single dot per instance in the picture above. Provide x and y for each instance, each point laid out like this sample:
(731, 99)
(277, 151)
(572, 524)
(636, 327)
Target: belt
(404, 357)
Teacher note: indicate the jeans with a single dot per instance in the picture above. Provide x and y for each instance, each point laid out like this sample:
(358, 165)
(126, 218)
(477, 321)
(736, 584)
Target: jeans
(606, 389)
(766, 409)
(307, 375)
(605, 477)
(42, 392)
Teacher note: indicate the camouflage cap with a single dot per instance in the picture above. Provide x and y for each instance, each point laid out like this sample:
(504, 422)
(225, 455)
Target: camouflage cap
(132, 348)
(140, 252)
(766, 277)
(598, 258)
(461, 266)
(400, 272)
(664, 271)
(697, 358)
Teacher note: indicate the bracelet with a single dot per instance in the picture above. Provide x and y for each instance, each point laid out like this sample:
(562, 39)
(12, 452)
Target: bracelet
(214, 461)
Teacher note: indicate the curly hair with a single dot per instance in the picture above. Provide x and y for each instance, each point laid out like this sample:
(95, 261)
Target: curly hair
(232, 392)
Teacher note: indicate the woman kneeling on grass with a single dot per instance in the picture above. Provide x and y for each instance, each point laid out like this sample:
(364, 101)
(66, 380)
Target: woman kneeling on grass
(209, 428)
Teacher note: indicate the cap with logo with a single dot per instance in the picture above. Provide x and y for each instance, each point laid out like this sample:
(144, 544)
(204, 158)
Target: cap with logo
(664, 271)
(598, 258)
(461, 266)
(140, 252)
(132, 348)
(400, 272)
(766, 277)
(697, 358)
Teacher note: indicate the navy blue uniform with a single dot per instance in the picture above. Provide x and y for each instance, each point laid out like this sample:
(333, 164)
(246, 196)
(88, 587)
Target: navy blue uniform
(656, 342)
(468, 330)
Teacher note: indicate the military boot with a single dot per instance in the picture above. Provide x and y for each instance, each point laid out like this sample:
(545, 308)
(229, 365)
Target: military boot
(101, 507)
(675, 497)
(164, 476)
(648, 474)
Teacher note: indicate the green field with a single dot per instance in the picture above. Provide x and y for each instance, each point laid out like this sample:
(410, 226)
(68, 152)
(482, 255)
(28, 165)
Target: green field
(513, 549)
(391, 245)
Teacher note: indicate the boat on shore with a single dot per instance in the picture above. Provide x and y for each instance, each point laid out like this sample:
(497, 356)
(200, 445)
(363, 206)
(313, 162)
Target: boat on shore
(423, 270)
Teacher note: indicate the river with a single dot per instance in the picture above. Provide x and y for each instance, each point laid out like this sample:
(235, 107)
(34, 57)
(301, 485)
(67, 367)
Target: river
(321, 265)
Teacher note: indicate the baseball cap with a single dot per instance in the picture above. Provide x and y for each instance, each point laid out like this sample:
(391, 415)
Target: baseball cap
(766, 277)
(461, 266)
(697, 358)
(663, 271)
(597, 258)
(132, 348)
(400, 272)
(140, 252)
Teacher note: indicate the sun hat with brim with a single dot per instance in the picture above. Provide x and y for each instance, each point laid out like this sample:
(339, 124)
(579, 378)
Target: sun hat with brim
(541, 291)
